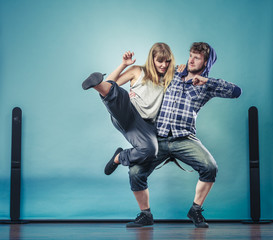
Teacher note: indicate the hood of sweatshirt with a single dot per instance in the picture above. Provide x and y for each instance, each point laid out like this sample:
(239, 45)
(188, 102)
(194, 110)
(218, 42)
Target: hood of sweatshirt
(211, 60)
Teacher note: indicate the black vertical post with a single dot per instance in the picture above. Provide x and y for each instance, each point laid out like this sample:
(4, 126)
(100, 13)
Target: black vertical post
(15, 181)
(254, 164)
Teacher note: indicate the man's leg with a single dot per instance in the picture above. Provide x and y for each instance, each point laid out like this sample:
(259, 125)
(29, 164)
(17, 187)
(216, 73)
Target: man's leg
(201, 191)
(142, 198)
(195, 213)
(191, 151)
(145, 217)
(138, 180)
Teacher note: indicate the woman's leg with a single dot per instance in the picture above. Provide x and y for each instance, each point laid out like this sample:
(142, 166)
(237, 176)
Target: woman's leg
(103, 88)
(138, 132)
(118, 104)
(142, 136)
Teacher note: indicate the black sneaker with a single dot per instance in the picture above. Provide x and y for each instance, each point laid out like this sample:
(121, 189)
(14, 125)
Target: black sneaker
(111, 165)
(143, 219)
(93, 80)
(195, 214)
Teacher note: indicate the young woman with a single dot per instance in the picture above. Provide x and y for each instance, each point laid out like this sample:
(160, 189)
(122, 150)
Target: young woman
(134, 113)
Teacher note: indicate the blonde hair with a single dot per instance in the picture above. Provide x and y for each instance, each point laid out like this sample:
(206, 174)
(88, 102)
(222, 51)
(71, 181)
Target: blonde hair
(162, 52)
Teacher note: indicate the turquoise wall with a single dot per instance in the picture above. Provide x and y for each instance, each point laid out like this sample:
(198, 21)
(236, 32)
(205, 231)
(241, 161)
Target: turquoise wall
(47, 48)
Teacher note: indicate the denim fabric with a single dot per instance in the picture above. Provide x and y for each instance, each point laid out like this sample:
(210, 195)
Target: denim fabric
(139, 132)
(186, 149)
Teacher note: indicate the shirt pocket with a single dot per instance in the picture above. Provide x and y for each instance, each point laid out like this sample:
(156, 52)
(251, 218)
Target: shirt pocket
(194, 93)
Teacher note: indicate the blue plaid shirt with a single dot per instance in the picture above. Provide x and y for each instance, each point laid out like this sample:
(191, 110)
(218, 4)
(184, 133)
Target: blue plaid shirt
(182, 101)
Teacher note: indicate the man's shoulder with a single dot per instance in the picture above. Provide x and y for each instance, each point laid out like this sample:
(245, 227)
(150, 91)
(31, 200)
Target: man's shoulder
(177, 76)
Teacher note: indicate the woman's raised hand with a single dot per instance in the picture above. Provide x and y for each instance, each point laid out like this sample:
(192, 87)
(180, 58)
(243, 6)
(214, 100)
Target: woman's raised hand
(127, 58)
(181, 67)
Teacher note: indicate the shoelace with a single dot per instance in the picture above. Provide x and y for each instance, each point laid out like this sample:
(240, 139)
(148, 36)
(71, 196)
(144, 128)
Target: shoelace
(139, 216)
(199, 215)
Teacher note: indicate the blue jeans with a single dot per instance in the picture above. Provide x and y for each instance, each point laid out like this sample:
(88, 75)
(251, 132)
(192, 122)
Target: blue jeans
(187, 149)
(126, 119)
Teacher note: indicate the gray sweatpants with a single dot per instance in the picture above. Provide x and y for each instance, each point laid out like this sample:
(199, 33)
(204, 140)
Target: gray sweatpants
(139, 132)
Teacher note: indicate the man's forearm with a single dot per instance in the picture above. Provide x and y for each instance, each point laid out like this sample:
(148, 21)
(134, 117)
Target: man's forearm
(221, 88)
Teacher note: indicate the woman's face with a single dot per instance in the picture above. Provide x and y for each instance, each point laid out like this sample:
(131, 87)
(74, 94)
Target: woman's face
(161, 66)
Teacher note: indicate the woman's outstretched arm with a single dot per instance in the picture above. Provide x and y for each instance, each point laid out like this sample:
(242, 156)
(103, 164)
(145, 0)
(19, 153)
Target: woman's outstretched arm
(129, 75)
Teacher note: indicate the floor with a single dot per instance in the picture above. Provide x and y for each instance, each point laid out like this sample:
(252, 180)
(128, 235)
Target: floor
(104, 231)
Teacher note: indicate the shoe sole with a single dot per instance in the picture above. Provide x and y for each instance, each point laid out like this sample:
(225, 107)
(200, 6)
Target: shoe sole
(93, 80)
(138, 225)
(206, 226)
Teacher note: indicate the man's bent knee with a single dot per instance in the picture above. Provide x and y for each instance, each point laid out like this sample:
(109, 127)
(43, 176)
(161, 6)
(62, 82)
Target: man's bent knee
(208, 173)
(138, 178)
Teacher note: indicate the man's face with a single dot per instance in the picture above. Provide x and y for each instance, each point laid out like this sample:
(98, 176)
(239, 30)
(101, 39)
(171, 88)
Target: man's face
(196, 63)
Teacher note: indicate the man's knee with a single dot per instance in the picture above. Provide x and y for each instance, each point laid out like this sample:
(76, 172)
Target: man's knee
(208, 172)
(138, 178)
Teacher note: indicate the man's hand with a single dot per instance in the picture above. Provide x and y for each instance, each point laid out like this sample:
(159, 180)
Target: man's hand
(199, 80)
(181, 67)
(127, 58)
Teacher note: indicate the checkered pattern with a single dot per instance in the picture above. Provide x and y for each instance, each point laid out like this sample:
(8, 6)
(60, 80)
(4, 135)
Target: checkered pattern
(182, 101)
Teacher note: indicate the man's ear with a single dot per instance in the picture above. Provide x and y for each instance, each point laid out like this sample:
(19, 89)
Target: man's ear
(205, 63)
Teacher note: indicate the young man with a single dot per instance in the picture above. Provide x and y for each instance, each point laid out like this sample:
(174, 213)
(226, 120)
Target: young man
(187, 93)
